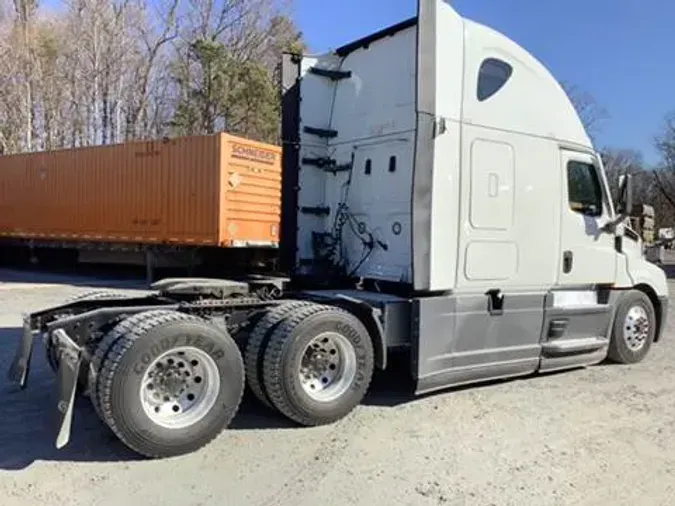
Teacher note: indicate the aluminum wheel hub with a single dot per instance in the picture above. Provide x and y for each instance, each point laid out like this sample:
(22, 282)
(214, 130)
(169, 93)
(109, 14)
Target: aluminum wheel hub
(328, 367)
(636, 328)
(180, 387)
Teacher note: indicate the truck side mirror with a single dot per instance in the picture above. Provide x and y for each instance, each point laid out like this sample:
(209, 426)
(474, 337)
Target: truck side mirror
(624, 204)
(625, 195)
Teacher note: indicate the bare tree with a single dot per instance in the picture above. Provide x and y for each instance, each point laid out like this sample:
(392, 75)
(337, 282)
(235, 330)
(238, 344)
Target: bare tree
(665, 173)
(102, 71)
(665, 142)
(591, 113)
(25, 17)
(148, 66)
(621, 161)
(226, 67)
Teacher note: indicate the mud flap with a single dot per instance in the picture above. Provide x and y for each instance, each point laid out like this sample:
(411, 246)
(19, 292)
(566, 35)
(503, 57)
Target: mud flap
(18, 371)
(70, 358)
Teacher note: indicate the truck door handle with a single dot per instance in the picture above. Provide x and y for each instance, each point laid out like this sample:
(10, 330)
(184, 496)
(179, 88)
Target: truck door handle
(568, 260)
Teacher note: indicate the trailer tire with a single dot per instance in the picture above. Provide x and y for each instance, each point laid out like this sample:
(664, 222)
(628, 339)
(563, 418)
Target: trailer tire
(634, 328)
(334, 344)
(257, 344)
(190, 367)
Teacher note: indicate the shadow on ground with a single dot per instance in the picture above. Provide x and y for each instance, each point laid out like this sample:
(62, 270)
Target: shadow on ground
(27, 422)
(84, 277)
(28, 432)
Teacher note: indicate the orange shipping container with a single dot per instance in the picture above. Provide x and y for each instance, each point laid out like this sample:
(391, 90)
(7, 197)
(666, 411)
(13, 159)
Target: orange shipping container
(217, 190)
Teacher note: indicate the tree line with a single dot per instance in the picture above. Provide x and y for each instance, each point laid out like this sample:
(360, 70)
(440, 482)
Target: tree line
(652, 185)
(86, 72)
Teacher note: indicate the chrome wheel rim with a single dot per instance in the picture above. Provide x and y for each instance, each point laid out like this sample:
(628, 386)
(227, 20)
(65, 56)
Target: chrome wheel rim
(327, 367)
(180, 387)
(636, 328)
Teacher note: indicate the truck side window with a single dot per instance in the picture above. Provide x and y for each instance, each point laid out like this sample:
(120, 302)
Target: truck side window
(585, 192)
(492, 77)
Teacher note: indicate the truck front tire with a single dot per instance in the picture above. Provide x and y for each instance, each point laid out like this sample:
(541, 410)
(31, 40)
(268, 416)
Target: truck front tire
(318, 365)
(634, 328)
(170, 384)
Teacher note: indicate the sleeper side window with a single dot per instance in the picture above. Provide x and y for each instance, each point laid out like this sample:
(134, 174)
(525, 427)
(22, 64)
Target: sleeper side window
(585, 192)
(492, 77)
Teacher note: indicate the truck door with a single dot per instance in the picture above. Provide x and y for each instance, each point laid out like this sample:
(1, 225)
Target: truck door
(587, 253)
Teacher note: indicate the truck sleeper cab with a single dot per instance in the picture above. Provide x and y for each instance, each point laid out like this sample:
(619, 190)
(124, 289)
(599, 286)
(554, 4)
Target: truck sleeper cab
(510, 249)
(440, 196)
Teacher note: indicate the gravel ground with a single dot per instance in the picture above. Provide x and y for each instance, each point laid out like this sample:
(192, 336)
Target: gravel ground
(598, 436)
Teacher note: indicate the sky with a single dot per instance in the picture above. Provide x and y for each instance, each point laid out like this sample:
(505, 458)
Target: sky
(620, 51)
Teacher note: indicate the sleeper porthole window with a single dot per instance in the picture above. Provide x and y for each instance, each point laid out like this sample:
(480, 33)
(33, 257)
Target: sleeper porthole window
(492, 77)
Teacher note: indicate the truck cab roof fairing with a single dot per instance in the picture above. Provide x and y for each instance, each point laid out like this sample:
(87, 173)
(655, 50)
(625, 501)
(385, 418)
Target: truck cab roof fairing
(541, 87)
(373, 37)
(532, 103)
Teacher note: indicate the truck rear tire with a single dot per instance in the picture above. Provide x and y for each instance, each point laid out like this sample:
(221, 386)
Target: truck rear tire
(634, 328)
(318, 365)
(257, 344)
(170, 384)
(124, 327)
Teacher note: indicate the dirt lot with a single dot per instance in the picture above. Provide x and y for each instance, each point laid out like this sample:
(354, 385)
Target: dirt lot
(603, 435)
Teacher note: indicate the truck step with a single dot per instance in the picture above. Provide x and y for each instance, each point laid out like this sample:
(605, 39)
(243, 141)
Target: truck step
(573, 346)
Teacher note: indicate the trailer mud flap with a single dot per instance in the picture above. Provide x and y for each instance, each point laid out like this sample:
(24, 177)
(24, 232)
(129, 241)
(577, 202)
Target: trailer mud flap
(70, 358)
(18, 371)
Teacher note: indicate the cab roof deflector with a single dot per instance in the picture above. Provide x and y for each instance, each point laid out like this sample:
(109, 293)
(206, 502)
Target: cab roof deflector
(373, 37)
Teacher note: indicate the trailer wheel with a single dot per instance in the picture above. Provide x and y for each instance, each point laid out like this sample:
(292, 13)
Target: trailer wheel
(634, 328)
(318, 365)
(257, 344)
(170, 384)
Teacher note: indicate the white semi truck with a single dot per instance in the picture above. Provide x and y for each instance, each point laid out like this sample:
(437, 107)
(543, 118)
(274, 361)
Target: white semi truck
(440, 197)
